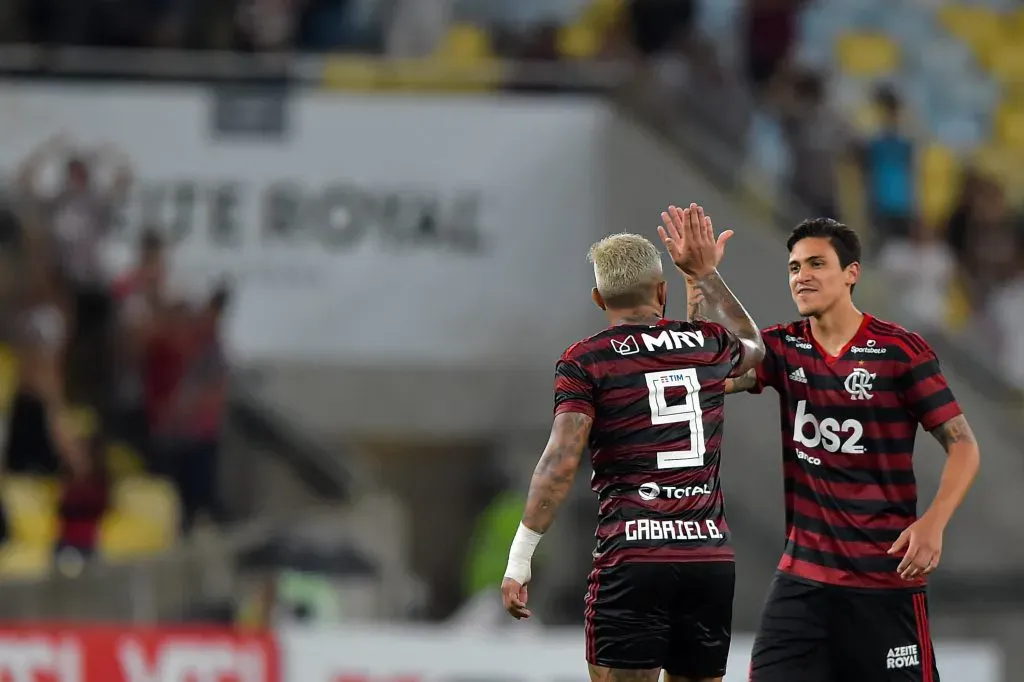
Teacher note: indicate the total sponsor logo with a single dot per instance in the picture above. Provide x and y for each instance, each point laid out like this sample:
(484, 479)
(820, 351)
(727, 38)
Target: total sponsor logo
(652, 491)
(903, 657)
(670, 529)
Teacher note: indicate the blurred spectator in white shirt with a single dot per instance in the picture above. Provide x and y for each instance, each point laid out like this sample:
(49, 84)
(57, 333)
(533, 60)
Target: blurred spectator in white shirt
(922, 272)
(1006, 310)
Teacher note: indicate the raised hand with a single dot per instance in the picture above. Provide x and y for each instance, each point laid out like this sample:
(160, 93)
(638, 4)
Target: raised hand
(689, 238)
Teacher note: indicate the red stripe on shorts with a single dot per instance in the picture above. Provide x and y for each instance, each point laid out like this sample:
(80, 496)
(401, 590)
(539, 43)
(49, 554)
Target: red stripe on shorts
(924, 638)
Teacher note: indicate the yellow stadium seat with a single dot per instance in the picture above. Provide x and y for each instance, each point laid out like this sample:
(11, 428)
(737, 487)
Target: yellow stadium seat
(1010, 126)
(31, 505)
(1013, 94)
(21, 561)
(1015, 24)
(976, 25)
(1006, 62)
(579, 41)
(938, 184)
(123, 536)
(147, 497)
(867, 55)
(603, 14)
(440, 74)
(124, 461)
(465, 42)
(958, 306)
(995, 161)
(462, 62)
(343, 72)
(81, 420)
(8, 376)
(1005, 164)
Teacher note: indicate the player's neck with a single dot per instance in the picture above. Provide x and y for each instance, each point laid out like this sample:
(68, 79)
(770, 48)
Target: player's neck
(641, 315)
(836, 327)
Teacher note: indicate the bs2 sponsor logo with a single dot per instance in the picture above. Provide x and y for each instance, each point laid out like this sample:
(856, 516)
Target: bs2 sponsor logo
(827, 434)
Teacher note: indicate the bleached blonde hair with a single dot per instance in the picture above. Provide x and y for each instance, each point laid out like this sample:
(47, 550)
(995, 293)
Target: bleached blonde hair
(626, 268)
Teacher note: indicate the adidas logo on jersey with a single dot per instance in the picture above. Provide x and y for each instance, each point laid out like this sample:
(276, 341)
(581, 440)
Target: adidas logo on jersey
(798, 375)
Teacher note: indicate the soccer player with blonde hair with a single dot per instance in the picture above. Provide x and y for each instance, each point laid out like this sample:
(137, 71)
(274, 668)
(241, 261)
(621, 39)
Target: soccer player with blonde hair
(646, 395)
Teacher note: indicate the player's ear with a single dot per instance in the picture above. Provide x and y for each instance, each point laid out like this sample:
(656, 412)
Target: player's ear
(662, 294)
(853, 273)
(598, 301)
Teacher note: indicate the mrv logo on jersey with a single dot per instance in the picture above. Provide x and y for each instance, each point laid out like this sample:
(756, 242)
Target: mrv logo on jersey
(667, 529)
(652, 491)
(828, 433)
(666, 340)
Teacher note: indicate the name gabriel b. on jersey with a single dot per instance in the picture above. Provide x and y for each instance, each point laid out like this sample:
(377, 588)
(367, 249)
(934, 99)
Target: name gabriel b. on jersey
(656, 394)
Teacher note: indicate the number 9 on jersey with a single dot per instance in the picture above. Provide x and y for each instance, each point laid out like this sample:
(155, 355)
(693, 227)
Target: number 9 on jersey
(688, 411)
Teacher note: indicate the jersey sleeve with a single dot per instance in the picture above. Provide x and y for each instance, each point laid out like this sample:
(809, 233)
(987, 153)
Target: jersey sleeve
(771, 370)
(925, 391)
(574, 388)
(732, 349)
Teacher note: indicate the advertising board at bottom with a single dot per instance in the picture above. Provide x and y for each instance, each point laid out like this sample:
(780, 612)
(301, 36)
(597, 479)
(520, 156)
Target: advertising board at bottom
(417, 654)
(347, 654)
(116, 654)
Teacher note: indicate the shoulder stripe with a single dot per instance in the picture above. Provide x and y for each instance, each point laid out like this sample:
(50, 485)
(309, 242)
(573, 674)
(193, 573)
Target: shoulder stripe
(912, 341)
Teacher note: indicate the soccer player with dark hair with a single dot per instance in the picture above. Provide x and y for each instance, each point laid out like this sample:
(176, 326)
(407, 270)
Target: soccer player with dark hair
(647, 395)
(848, 602)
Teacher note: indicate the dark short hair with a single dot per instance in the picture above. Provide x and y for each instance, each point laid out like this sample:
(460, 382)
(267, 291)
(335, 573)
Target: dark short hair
(220, 297)
(151, 241)
(809, 85)
(888, 99)
(843, 239)
(77, 164)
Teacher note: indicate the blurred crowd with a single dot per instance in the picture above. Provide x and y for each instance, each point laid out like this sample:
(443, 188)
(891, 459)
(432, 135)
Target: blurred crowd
(148, 367)
(961, 270)
(405, 28)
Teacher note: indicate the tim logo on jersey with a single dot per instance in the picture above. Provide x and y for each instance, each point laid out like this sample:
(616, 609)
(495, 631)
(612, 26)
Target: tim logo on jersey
(666, 340)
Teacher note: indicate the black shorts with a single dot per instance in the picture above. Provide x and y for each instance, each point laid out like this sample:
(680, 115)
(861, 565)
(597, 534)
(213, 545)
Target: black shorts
(820, 633)
(675, 616)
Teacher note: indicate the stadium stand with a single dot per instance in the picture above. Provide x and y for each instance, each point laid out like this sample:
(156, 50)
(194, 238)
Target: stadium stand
(142, 520)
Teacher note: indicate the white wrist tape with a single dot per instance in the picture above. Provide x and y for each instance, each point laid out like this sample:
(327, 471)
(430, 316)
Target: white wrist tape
(521, 554)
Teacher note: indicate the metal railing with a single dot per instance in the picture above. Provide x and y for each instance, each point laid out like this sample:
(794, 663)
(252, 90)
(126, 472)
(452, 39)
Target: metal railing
(340, 70)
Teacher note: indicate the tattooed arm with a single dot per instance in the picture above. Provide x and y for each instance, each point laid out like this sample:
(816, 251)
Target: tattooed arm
(696, 305)
(697, 309)
(552, 480)
(553, 477)
(962, 463)
(710, 299)
(742, 383)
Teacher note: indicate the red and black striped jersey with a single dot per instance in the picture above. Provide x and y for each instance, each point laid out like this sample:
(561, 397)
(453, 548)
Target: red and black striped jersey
(656, 394)
(848, 428)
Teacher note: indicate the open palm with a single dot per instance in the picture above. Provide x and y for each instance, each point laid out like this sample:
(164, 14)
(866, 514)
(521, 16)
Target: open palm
(689, 236)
